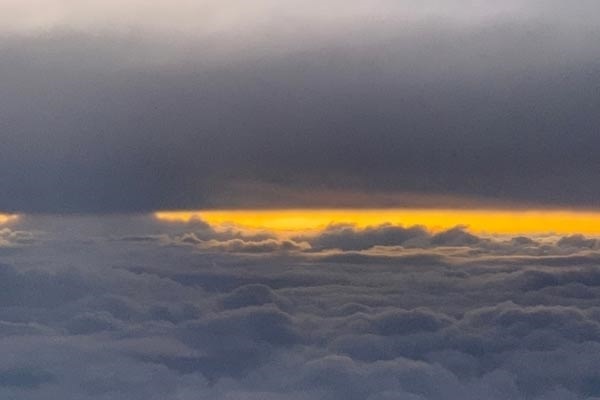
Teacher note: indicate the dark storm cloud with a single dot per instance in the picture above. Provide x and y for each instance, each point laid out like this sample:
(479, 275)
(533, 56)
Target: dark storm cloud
(501, 108)
(97, 315)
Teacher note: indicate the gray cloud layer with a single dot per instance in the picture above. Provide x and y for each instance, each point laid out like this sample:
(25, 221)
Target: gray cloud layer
(130, 309)
(496, 102)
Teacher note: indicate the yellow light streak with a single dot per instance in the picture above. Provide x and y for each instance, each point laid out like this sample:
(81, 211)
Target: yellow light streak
(502, 222)
(6, 218)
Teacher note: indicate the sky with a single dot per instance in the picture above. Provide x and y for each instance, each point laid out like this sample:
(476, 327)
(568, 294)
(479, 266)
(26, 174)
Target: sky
(126, 107)
(299, 200)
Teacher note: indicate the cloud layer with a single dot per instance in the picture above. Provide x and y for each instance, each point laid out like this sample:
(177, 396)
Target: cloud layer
(131, 309)
(109, 108)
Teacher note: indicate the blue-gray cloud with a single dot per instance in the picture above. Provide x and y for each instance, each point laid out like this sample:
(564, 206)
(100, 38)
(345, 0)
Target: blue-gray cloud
(499, 106)
(98, 315)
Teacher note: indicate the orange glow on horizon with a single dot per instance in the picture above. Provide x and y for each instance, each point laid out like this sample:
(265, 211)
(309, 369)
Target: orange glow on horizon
(5, 218)
(502, 222)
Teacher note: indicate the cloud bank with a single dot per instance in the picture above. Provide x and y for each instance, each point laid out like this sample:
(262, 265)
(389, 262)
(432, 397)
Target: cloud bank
(132, 309)
(111, 108)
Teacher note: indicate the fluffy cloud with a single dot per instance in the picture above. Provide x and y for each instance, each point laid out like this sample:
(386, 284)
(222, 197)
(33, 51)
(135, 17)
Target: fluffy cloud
(348, 237)
(12, 238)
(109, 316)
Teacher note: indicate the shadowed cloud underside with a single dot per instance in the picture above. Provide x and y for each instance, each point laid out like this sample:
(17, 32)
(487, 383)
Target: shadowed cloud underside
(117, 107)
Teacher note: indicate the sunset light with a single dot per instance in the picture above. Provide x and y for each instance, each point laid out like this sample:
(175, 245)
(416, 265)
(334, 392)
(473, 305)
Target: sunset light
(5, 218)
(477, 221)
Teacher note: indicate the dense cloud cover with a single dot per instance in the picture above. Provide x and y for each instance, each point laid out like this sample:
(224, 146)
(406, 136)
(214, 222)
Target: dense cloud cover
(127, 106)
(128, 308)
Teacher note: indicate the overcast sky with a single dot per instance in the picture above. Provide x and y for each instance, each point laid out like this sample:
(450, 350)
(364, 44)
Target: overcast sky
(111, 106)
